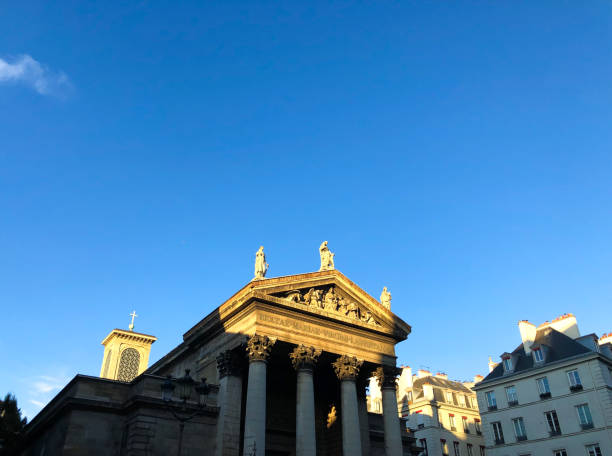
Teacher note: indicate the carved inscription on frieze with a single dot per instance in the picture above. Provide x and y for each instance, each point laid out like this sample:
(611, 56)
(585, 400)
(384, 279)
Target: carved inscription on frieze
(325, 333)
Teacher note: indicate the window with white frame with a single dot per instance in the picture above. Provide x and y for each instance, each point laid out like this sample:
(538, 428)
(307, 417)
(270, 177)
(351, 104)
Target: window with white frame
(423, 444)
(507, 364)
(511, 395)
(519, 428)
(470, 449)
(491, 402)
(560, 452)
(456, 449)
(584, 415)
(593, 450)
(574, 378)
(466, 426)
(451, 421)
(538, 356)
(543, 387)
(553, 422)
(477, 426)
(498, 432)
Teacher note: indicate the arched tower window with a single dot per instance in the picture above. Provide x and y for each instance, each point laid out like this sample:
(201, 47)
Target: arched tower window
(128, 365)
(107, 363)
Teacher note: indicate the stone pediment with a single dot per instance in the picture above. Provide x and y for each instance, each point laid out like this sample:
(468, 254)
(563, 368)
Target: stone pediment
(328, 295)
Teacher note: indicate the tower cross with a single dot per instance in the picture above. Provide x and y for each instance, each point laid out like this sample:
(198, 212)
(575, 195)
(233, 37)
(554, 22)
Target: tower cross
(133, 315)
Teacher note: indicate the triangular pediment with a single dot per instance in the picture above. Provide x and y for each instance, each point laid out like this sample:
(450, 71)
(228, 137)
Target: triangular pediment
(330, 294)
(327, 295)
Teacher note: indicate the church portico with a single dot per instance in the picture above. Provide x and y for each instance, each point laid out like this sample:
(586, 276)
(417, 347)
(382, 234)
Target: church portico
(289, 359)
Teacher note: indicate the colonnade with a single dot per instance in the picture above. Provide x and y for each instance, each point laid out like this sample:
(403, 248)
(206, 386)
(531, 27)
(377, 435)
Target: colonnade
(304, 359)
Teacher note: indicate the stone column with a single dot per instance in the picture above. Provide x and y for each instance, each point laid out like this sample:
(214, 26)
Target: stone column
(347, 368)
(230, 391)
(387, 380)
(303, 359)
(362, 405)
(258, 348)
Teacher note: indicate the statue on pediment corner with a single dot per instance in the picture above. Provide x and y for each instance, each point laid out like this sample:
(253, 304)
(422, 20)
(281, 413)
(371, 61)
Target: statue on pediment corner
(327, 257)
(385, 298)
(261, 267)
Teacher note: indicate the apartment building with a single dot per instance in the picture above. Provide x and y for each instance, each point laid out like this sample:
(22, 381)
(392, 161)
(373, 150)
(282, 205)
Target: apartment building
(441, 414)
(551, 396)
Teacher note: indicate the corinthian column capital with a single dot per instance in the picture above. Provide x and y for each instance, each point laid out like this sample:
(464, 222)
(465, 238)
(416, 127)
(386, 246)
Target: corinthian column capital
(258, 347)
(347, 367)
(303, 357)
(387, 376)
(228, 363)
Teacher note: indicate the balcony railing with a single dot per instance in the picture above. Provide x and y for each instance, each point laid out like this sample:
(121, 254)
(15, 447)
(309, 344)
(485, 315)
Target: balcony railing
(586, 426)
(575, 388)
(492, 407)
(544, 395)
(521, 438)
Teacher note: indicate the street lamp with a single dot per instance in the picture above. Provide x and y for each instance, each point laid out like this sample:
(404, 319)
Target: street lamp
(185, 387)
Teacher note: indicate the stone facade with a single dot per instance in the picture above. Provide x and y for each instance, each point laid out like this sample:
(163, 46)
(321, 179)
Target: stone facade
(289, 359)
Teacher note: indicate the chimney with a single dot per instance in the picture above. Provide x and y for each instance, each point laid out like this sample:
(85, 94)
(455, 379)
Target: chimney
(442, 375)
(605, 339)
(566, 324)
(528, 332)
(405, 379)
(478, 378)
(491, 364)
(422, 373)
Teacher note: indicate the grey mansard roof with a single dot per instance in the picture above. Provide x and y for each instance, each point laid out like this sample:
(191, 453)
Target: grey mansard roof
(558, 345)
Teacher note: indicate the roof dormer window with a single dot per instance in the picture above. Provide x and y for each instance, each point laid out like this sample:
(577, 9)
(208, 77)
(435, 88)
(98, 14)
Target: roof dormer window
(507, 362)
(538, 355)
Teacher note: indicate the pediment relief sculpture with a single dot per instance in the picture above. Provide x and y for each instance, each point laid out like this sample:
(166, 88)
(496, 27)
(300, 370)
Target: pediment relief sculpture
(328, 299)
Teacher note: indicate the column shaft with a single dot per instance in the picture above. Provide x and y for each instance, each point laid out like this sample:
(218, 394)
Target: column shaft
(255, 417)
(306, 444)
(393, 437)
(351, 435)
(364, 424)
(228, 422)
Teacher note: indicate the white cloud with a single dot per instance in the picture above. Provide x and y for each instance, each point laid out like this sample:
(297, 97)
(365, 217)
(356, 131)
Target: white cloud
(37, 403)
(26, 70)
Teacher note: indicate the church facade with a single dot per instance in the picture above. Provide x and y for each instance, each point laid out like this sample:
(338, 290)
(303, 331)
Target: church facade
(286, 362)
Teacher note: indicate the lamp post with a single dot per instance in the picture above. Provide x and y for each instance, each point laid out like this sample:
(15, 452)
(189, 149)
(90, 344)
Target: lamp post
(185, 387)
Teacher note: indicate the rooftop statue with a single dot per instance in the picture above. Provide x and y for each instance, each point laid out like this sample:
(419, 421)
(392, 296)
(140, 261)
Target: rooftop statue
(261, 267)
(385, 298)
(327, 258)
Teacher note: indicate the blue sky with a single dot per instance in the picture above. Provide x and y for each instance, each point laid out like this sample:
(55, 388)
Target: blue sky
(457, 152)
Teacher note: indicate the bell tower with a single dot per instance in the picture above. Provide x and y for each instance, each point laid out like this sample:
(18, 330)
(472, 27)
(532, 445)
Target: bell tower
(126, 353)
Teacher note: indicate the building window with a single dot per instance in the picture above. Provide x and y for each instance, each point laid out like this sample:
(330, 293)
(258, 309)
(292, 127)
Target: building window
(451, 421)
(511, 396)
(498, 432)
(553, 423)
(128, 365)
(456, 449)
(560, 452)
(543, 387)
(507, 364)
(466, 399)
(466, 426)
(449, 397)
(574, 380)
(455, 399)
(409, 396)
(477, 426)
(482, 450)
(444, 447)
(470, 450)
(519, 429)
(423, 444)
(491, 402)
(584, 416)
(538, 355)
(593, 450)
